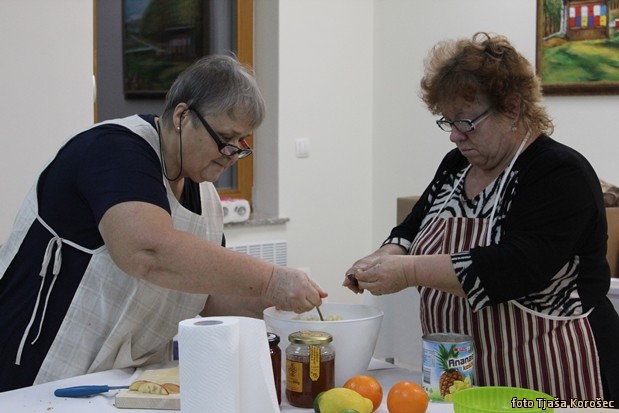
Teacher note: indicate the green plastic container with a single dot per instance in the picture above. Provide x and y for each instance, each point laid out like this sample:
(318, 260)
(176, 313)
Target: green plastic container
(497, 399)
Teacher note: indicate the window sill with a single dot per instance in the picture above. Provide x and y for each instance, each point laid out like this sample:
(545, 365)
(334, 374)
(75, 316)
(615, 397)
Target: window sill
(256, 220)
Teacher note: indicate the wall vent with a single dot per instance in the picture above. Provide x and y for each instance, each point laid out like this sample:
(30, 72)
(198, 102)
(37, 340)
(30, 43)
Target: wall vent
(275, 252)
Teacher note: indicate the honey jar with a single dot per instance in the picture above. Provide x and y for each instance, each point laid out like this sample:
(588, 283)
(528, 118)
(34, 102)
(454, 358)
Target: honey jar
(310, 366)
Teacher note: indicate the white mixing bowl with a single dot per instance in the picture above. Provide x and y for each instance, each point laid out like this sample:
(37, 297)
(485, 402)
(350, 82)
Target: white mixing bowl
(354, 333)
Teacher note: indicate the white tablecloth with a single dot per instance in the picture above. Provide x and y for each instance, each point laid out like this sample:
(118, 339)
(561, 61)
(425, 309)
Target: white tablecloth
(41, 399)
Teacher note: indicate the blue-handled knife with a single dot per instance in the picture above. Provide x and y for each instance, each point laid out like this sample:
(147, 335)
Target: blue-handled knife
(82, 391)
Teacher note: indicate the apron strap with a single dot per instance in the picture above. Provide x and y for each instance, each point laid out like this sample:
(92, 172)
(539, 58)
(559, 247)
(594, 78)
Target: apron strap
(505, 178)
(55, 242)
(551, 317)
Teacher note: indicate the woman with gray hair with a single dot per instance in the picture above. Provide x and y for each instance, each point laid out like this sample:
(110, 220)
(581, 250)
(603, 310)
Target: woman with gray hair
(121, 237)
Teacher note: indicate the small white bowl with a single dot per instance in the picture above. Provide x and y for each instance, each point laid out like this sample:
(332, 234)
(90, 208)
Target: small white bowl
(354, 334)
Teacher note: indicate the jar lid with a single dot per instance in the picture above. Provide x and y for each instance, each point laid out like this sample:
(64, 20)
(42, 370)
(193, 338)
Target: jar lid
(310, 337)
(273, 339)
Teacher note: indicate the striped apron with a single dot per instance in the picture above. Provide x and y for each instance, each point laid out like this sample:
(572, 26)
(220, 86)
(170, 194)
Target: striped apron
(514, 346)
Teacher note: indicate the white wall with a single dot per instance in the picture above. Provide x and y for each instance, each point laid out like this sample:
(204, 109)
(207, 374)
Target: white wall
(343, 73)
(46, 51)
(404, 32)
(324, 61)
(405, 144)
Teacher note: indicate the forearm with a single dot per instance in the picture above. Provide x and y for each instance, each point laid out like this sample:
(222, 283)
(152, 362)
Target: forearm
(390, 273)
(143, 243)
(225, 305)
(434, 271)
(187, 263)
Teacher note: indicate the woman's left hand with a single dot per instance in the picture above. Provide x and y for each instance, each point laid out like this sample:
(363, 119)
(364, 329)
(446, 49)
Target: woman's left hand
(386, 274)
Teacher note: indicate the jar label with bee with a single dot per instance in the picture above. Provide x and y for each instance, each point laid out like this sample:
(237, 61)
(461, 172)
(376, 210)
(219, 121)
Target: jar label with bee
(448, 364)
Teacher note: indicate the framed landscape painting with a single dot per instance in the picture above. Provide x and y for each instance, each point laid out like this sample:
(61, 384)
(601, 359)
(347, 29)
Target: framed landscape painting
(577, 51)
(161, 38)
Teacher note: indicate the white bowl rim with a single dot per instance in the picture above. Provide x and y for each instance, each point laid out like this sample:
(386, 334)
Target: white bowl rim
(274, 313)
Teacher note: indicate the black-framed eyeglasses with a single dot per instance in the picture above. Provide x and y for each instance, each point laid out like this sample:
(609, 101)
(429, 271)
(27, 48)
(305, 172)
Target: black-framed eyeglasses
(462, 125)
(224, 148)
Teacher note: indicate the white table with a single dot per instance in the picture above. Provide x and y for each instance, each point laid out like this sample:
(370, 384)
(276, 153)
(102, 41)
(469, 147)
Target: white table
(41, 399)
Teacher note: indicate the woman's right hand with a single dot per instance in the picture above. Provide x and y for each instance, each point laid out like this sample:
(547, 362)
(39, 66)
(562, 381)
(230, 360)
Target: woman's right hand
(350, 281)
(290, 289)
(360, 265)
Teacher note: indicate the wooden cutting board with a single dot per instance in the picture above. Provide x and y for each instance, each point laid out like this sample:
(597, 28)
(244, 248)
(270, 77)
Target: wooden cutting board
(126, 399)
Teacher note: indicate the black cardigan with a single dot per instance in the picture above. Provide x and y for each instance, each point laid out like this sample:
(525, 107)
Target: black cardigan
(555, 212)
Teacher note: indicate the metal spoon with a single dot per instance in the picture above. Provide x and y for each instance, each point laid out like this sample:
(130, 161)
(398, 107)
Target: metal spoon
(320, 313)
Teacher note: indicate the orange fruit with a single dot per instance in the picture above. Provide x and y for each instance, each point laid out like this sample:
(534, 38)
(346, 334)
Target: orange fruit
(368, 387)
(407, 397)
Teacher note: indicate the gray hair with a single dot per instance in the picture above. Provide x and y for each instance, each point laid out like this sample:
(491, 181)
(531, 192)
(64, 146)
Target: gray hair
(216, 85)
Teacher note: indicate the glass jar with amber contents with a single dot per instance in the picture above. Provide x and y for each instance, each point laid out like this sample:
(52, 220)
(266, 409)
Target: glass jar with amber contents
(276, 362)
(310, 366)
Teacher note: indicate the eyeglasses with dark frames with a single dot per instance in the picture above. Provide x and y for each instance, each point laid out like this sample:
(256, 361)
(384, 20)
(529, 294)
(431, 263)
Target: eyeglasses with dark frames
(224, 148)
(462, 125)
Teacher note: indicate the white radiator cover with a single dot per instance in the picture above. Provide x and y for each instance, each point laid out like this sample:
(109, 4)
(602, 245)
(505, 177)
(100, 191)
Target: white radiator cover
(275, 252)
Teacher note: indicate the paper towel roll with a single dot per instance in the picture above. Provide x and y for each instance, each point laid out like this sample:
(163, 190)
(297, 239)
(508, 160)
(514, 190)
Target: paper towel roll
(225, 366)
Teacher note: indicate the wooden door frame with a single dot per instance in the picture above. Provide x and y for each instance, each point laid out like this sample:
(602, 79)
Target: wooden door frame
(245, 54)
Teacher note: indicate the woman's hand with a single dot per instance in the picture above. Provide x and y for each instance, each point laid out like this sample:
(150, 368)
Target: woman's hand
(385, 274)
(352, 282)
(292, 290)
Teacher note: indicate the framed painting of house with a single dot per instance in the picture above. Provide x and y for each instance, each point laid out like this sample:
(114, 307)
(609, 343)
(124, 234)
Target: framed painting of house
(162, 38)
(577, 51)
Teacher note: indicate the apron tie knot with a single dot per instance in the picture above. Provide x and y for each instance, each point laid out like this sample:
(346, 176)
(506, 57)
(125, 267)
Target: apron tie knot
(56, 242)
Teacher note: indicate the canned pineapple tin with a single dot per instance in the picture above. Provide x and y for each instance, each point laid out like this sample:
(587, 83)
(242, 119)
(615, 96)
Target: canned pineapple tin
(448, 364)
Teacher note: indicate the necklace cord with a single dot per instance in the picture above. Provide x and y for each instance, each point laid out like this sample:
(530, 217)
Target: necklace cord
(163, 164)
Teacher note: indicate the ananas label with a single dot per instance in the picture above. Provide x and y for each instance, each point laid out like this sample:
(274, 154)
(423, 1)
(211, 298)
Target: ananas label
(448, 364)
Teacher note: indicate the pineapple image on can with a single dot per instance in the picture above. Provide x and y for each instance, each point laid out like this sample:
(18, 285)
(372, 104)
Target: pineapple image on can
(450, 374)
(448, 364)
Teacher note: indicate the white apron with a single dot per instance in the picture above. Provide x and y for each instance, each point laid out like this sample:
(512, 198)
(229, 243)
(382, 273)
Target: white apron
(114, 320)
(514, 345)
